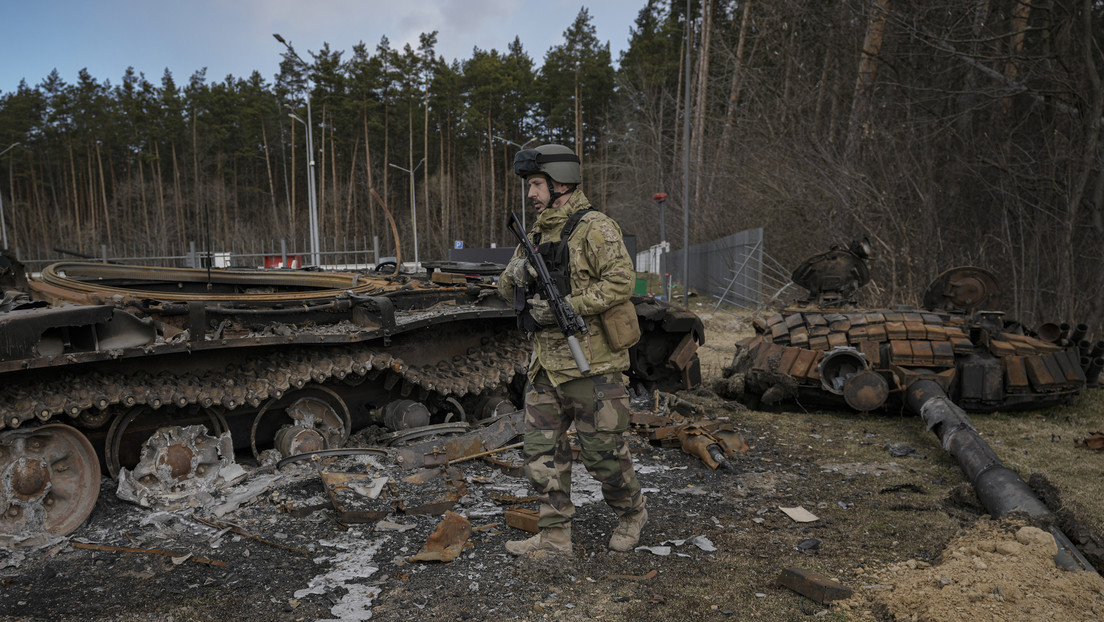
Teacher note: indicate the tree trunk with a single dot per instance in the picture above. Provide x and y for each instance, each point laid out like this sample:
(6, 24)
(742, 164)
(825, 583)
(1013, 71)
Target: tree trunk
(159, 183)
(737, 82)
(868, 74)
(372, 231)
(271, 179)
(103, 193)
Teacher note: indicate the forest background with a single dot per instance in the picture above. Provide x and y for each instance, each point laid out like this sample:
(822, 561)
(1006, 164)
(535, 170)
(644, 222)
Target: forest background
(947, 132)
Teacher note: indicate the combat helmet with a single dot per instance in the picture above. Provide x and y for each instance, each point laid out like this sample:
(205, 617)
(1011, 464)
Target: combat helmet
(557, 162)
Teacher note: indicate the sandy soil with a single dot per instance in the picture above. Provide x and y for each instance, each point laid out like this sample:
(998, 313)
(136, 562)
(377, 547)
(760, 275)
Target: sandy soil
(902, 530)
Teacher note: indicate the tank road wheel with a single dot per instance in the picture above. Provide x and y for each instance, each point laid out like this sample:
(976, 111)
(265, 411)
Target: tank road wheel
(310, 419)
(49, 483)
(118, 450)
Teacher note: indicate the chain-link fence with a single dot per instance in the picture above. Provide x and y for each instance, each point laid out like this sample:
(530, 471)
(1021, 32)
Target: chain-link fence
(735, 269)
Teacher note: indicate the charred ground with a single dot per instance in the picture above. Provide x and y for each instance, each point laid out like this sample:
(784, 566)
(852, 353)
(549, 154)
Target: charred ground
(882, 489)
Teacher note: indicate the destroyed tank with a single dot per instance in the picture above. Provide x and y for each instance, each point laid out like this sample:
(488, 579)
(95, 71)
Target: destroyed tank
(826, 350)
(95, 359)
(956, 353)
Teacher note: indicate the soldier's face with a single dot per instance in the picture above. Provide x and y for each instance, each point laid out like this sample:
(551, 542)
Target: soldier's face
(538, 192)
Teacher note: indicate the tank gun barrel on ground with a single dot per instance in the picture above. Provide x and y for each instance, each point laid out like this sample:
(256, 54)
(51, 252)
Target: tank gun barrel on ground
(1000, 489)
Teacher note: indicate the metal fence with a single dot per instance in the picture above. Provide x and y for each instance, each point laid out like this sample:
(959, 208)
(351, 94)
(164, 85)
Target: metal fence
(734, 269)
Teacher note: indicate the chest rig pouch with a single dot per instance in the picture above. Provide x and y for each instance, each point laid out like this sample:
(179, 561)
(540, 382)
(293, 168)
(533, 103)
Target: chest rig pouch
(556, 258)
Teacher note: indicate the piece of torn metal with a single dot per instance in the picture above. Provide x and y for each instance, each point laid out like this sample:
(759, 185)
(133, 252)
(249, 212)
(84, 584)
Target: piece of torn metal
(447, 540)
(701, 542)
(524, 519)
(1094, 441)
(243, 493)
(662, 551)
(714, 443)
(813, 585)
(442, 451)
(180, 467)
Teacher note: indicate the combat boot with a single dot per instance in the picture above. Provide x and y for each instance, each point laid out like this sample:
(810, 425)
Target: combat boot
(627, 533)
(554, 540)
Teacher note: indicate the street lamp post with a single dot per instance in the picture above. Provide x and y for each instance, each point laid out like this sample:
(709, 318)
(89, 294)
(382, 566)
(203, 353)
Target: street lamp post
(312, 194)
(660, 197)
(520, 147)
(413, 206)
(3, 226)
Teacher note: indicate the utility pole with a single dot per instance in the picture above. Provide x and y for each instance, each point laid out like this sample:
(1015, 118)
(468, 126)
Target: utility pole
(312, 194)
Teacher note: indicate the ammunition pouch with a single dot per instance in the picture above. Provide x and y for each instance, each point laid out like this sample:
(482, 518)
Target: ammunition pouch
(621, 326)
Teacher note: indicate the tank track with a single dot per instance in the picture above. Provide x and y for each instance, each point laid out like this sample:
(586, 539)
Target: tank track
(89, 396)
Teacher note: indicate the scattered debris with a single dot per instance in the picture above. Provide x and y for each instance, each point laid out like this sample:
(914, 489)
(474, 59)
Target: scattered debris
(124, 549)
(901, 488)
(713, 442)
(808, 544)
(1094, 441)
(243, 493)
(813, 585)
(491, 435)
(648, 576)
(523, 518)
(244, 533)
(447, 541)
(367, 497)
(662, 551)
(799, 514)
(902, 451)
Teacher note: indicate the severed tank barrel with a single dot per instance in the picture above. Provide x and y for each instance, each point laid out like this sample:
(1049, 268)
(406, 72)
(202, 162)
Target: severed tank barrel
(1001, 490)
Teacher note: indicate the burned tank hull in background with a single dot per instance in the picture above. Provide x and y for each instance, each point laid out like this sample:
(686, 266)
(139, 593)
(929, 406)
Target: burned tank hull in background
(97, 358)
(956, 354)
(825, 350)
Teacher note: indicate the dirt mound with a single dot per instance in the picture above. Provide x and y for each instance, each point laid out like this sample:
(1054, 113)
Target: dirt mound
(990, 571)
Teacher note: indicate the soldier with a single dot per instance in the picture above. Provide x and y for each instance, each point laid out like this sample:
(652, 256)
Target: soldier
(587, 258)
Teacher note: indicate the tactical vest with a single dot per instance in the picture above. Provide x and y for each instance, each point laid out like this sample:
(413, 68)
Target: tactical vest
(556, 258)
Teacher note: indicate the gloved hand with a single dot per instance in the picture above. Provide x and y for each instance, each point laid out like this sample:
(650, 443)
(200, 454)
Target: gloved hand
(541, 312)
(520, 271)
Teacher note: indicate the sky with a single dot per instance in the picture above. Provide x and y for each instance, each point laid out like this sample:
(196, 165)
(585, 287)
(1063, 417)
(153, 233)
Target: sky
(235, 36)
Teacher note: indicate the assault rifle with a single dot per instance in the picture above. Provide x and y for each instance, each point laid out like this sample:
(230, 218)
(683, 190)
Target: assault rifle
(569, 322)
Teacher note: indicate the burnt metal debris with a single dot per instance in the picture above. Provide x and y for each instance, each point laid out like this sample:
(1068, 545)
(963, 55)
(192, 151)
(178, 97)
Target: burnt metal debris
(957, 353)
(97, 358)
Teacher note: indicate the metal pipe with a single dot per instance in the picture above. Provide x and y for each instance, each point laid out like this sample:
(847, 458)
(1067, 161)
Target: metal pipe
(1000, 489)
(1092, 371)
(1098, 350)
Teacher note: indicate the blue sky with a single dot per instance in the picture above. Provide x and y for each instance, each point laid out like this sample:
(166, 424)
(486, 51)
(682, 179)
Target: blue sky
(235, 36)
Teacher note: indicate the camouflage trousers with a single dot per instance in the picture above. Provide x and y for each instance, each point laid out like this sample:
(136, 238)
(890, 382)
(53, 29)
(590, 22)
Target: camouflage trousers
(599, 408)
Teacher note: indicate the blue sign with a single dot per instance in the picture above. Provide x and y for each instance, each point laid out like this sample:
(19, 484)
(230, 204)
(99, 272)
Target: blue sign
(458, 244)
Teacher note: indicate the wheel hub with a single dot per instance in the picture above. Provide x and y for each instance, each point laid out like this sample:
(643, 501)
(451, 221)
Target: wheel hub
(30, 479)
(178, 458)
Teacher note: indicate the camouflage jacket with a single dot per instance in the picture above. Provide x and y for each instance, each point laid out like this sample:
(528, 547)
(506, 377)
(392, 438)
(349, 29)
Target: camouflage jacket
(602, 276)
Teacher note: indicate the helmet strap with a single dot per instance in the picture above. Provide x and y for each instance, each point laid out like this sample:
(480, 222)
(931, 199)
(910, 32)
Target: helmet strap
(553, 196)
